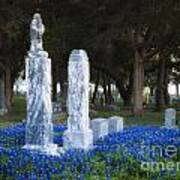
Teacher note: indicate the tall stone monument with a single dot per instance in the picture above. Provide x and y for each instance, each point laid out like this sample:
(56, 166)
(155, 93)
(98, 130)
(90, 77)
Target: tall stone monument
(78, 135)
(39, 128)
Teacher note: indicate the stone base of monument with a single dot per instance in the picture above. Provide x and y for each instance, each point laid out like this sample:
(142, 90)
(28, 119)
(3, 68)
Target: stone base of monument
(50, 149)
(115, 124)
(99, 127)
(78, 140)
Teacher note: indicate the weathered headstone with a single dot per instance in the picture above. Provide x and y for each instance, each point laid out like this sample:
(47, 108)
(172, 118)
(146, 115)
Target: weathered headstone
(57, 110)
(152, 99)
(39, 127)
(99, 127)
(78, 135)
(115, 124)
(170, 118)
(56, 107)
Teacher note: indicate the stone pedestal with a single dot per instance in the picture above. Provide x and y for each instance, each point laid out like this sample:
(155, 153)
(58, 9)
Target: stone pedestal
(78, 134)
(99, 127)
(115, 124)
(39, 127)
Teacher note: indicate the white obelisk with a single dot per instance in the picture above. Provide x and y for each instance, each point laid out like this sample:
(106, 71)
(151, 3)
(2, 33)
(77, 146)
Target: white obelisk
(39, 127)
(78, 135)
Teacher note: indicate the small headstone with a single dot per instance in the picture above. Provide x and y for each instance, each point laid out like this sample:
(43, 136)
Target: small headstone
(170, 118)
(3, 111)
(152, 99)
(115, 124)
(99, 127)
(57, 110)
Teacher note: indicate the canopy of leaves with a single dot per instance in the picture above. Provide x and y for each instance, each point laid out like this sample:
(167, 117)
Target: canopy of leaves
(103, 28)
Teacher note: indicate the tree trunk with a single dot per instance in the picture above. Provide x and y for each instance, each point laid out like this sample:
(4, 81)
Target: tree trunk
(109, 92)
(54, 97)
(160, 98)
(96, 88)
(105, 91)
(166, 96)
(166, 82)
(65, 90)
(138, 82)
(126, 94)
(151, 91)
(138, 71)
(2, 94)
(61, 81)
(177, 90)
(8, 89)
(54, 82)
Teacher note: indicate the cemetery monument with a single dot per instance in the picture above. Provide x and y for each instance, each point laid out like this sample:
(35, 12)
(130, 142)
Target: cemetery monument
(78, 135)
(39, 127)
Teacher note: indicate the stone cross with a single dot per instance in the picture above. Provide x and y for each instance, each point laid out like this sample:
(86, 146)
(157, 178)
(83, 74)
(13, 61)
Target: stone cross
(78, 135)
(170, 118)
(39, 127)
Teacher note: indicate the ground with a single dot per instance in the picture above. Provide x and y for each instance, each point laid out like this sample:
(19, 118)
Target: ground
(116, 157)
(150, 117)
(18, 112)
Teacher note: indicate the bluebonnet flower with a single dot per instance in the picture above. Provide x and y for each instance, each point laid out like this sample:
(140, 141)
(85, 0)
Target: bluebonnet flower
(23, 164)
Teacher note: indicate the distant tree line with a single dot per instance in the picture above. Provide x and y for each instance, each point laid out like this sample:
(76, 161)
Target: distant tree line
(130, 43)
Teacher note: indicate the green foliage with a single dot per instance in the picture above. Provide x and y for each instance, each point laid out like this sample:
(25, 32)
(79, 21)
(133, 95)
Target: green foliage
(18, 112)
(4, 160)
(27, 168)
(100, 27)
(128, 170)
(5, 177)
(148, 118)
(19, 105)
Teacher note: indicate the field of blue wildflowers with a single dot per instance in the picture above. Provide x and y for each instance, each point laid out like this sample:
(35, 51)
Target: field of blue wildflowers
(117, 156)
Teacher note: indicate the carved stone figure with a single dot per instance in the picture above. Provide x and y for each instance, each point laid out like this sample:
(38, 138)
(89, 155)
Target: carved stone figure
(36, 33)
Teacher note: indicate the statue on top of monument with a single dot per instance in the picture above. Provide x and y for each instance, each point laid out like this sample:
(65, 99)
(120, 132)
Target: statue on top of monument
(36, 33)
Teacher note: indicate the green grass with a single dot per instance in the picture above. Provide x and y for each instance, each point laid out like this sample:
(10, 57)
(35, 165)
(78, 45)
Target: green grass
(18, 112)
(148, 118)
